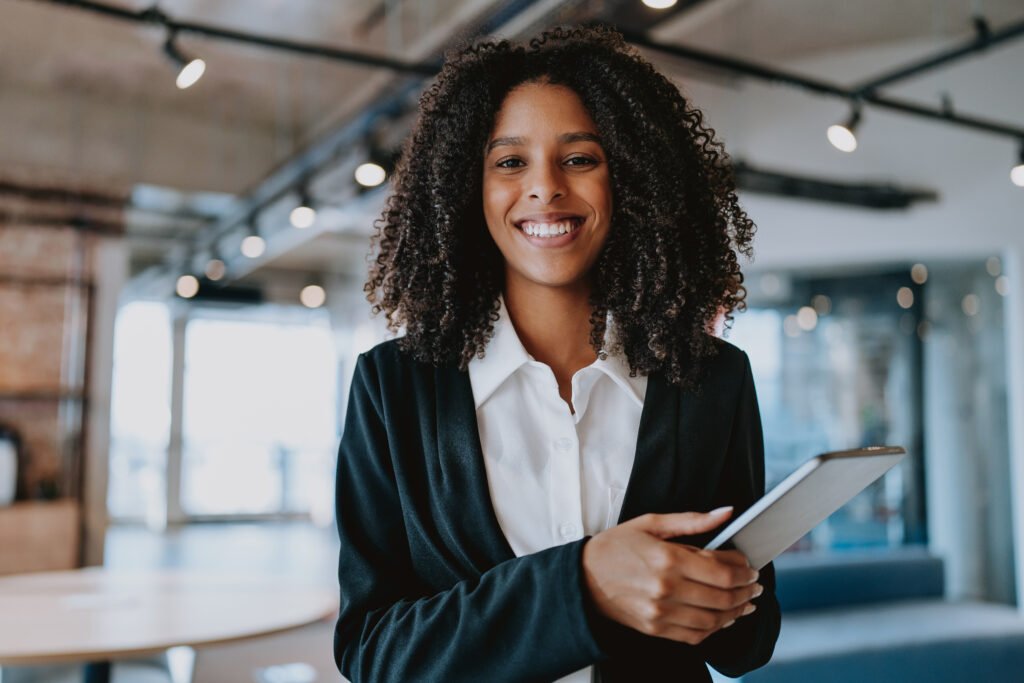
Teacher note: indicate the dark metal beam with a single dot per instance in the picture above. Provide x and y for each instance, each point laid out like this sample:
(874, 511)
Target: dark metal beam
(821, 87)
(983, 40)
(154, 17)
(868, 195)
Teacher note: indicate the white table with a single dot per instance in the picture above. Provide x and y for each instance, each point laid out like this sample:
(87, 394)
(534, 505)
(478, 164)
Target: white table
(96, 616)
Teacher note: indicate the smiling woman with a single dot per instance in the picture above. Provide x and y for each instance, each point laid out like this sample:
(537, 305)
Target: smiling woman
(669, 268)
(518, 469)
(560, 165)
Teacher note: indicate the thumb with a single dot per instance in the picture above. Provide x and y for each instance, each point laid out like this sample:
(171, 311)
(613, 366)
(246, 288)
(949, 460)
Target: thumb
(684, 523)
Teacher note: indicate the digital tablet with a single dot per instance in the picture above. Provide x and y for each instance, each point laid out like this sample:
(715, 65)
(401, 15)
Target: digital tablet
(802, 500)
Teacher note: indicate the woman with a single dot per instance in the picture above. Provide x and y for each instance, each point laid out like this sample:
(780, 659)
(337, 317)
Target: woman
(561, 236)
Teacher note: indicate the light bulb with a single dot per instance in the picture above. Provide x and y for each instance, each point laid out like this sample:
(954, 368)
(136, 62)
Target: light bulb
(659, 4)
(1017, 175)
(842, 138)
(370, 174)
(215, 269)
(312, 296)
(190, 73)
(807, 318)
(905, 297)
(302, 216)
(253, 246)
(187, 286)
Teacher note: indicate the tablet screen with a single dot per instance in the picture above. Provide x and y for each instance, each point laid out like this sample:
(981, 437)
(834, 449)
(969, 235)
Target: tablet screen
(804, 499)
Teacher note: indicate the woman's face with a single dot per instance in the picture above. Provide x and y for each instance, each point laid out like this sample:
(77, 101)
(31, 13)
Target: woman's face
(546, 190)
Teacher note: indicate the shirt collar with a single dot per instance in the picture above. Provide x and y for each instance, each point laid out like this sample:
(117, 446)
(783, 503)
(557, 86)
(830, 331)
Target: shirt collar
(505, 354)
(616, 367)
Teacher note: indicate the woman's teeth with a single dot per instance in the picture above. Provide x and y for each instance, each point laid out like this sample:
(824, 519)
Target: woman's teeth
(549, 229)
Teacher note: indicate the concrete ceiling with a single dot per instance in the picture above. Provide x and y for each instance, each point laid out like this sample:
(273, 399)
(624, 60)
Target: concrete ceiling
(778, 32)
(86, 101)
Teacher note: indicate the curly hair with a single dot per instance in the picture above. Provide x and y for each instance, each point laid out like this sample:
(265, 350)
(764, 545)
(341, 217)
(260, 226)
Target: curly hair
(669, 267)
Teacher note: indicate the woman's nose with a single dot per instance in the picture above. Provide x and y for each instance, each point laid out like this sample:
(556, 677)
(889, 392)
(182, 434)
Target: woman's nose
(546, 183)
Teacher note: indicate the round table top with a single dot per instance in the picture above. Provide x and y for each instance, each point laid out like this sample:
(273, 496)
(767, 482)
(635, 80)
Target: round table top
(94, 614)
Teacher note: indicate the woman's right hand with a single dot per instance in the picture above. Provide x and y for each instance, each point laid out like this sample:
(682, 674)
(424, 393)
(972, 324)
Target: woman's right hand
(638, 578)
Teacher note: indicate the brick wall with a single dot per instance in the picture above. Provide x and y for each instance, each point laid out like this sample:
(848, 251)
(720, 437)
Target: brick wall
(43, 338)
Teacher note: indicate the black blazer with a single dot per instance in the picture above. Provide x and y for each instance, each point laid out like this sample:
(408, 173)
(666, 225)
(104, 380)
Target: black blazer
(431, 590)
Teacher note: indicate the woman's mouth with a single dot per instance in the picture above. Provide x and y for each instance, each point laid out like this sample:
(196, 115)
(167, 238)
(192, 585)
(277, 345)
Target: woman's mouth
(552, 230)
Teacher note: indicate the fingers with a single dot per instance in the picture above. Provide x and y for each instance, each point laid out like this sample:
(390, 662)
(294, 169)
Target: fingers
(708, 568)
(708, 597)
(689, 624)
(730, 556)
(683, 523)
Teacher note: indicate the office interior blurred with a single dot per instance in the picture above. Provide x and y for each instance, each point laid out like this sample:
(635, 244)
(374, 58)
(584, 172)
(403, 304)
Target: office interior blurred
(183, 247)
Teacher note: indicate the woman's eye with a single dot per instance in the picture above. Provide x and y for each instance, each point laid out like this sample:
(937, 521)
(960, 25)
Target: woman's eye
(580, 161)
(510, 162)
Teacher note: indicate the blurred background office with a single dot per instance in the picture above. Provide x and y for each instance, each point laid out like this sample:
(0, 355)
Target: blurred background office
(187, 191)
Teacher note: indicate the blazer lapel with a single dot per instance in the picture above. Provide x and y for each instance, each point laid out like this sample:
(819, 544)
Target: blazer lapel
(652, 481)
(466, 499)
(670, 470)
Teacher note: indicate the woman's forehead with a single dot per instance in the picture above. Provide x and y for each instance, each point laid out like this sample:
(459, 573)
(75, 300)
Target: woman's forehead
(535, 112)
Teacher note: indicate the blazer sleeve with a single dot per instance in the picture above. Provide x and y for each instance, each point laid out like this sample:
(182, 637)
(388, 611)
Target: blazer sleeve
(749, 643)
(522, 620)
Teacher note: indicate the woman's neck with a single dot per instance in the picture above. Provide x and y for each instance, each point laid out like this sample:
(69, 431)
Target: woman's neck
(553, 324)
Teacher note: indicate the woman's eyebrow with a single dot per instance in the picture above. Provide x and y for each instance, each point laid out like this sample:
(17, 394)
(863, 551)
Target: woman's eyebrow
(580, 136)
(505, 142)
(564, 138)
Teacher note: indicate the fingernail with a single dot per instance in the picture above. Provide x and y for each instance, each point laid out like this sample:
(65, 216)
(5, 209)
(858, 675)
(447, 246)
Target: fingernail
(748, 609)
(758, 590)
(721, 510)
(728, 624)
(755, 577)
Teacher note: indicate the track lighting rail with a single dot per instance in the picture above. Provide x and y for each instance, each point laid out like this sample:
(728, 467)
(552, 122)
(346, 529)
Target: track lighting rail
(153, 15)
(821, 87)
(984, 40)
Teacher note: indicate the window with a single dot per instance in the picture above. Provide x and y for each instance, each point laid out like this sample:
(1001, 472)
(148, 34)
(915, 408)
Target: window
(260, 406)
(140, 414)
(837, 365)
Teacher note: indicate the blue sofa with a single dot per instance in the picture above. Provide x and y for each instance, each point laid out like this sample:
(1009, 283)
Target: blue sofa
(883, 617)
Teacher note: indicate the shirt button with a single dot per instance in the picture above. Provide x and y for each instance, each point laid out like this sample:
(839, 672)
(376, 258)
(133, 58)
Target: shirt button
(563, 444)
(567, 530)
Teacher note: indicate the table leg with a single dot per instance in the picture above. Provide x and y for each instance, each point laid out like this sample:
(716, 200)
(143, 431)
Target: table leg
(96, 672)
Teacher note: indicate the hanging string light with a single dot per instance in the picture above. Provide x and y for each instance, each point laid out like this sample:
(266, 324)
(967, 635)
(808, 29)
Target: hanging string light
(253, 245)
(843, 136)
(215, 268)
(303, 215)
(1017, 172)
(190, 70)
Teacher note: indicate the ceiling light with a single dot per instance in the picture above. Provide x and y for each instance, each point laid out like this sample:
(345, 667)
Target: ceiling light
(1002, 285)
(821, 304)
(303, 215)
(370, 174)
(993, 266)
(1017, 172)
(970, 304)
(659, 4)
(312, 296)
(187, 286)
(843, 136)
(215, 269)
(253, 245)
(190, 70)
(807, 318)
(905, 297)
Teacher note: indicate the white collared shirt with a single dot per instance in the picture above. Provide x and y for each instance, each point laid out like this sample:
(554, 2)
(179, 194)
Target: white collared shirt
(554, 476)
